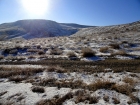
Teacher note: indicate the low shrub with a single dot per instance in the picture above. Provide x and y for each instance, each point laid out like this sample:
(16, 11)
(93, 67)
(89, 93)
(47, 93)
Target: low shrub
(130, 81)
(17, 78)
(71, 54)
(56, 51)
(38, 89)
(100, 84)
(88, 52)
(104, 49)
(115, 45)
(122, 53)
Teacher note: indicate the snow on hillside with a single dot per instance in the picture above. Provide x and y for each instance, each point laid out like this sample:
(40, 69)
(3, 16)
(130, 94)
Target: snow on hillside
(29, 29)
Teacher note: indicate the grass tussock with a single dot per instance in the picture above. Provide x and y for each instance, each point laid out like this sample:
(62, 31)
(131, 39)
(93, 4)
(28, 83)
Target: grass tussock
(1, 57)
(17, 78)
(56, 51)
(38, 89)
(106, 98)
(56, 101)
(103, 49)
(121, 52)
(16, 71)
(93, 100)
(57, 69)
(100, 84)
(71, 54)
(47, 82)
(52, 82)
(79, 96)
(123, 88)
(2, 93)
(88, 52)
(115, 100)
(130, 81)
(115, 45)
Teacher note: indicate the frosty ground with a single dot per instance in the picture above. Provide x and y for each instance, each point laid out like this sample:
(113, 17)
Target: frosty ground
(103, 69)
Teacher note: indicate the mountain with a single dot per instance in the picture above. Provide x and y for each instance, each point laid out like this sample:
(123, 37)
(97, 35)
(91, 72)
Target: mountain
(113, 29)
(37, 28)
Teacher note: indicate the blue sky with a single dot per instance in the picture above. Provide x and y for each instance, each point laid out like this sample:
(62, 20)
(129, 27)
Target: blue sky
(86, 12)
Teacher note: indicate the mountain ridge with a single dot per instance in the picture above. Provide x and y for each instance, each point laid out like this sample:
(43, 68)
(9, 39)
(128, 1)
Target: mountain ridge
(37, 28)
(41, 28)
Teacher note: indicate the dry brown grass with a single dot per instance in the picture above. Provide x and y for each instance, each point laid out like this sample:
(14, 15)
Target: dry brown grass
(49, 82)
(71, 84)
(93, 100)
(133, 99)
(134, 75)
(100, 84)
(104, 49)
(56, 51)
(56, 101)
(123, 88)
(57, 69)
(88, 52)
(121, 52)
(115, 45)
(130, 81)
(17, 78)
(38, 89)
(1, 57)
(106, 98)
(71, 54)
(115, 100)
(2, 93)
(16, 71)
(41, 52)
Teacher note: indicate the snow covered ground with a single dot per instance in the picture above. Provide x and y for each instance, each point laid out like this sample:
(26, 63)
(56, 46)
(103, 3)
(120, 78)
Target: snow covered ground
(95, 66)
(21, 92)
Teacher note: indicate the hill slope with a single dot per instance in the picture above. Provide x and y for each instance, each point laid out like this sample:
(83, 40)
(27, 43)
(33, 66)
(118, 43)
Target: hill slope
(29, 29)
(114, 29)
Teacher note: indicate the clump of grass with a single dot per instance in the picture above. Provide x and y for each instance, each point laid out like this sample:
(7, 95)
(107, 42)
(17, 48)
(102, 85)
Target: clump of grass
(49, 82)
(134, 75)
(106, 98)
(115, 45)
(123, 88)
(116, 100)
(56, 51)
(93, 100)
(88, 52)
(20, 98)
(38, 89)
(57, 69)
(100, 84)
(17, 78)
(56, 101)
(2, 93)
(32, 50)
(121, 52)
(104, 49)
(130, 81)
(16, 71)
(133, 98)
(41, 52)
(14, 95)
(31, 57)
(1, 57)
(71, 84)
(71, 54)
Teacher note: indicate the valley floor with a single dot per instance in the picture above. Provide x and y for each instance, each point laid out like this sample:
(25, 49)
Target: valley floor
(67, 82)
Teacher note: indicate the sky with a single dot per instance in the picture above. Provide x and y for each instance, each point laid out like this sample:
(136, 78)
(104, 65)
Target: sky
(85, 12)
